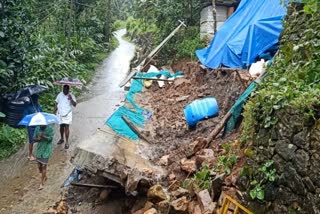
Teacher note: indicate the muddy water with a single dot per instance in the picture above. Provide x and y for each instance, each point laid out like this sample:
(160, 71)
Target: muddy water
(19, 178)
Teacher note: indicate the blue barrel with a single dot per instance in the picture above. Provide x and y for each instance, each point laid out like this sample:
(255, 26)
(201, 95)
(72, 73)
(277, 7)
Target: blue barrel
(200, 109)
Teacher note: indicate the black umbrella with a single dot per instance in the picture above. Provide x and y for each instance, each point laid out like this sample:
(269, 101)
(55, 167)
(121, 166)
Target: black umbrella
(30, 90)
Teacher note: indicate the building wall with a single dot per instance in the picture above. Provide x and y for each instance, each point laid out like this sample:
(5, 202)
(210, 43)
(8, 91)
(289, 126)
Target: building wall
(223, 9)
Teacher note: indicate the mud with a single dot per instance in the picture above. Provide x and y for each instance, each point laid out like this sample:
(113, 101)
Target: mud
(168, 127)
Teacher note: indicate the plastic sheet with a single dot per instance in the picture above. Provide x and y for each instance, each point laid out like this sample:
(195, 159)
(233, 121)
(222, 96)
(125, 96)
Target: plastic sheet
(253, 28)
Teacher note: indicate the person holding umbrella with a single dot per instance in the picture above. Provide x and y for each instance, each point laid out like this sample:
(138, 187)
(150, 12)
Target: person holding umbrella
(33, 107)
(43, 135)
(63, 108)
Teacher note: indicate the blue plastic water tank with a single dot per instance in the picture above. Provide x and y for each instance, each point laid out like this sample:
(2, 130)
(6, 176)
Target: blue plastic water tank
(200, 109)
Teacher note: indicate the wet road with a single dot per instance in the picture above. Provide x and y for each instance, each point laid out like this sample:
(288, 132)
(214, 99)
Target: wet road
(19, 178)
(104, 95)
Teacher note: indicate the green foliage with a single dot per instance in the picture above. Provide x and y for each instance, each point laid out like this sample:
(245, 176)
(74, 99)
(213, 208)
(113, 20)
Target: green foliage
(200, 181)
(311, 6)
(119, 24)
(265, 173)
(160, 20)
(226, 162)
(10, 140)
(293, 79)
(136, 29)
(43, 41)
(187, 42)
(257, 192)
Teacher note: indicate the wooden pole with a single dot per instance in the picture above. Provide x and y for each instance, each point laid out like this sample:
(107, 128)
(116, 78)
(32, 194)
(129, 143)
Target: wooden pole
(94, 185)
(135, 129)
(218, 129)
(146, 78)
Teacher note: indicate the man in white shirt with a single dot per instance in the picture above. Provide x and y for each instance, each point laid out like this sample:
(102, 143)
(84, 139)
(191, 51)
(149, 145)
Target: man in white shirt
(63, 108)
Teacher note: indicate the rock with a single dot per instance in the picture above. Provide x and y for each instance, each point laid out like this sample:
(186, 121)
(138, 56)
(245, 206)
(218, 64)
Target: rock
(205, 155)
(172, 177)
(163, 206)
(243, 183)
(301, 162)
(291, 179)
(194, 208)
(205, 201)
(279, 163)
(188, 165)
(217, 186)
(132, 181)
(148, 205)
(183, 98)
(151, 211)
(284, 131)
(301, 139)
(285, 149)
(156, 193)
(104, 194)
(309, 184)
(191, 206)
(195, 146)
(197, 210)
(164, 160)
(179, 193)
(180, 204)
(270, 192)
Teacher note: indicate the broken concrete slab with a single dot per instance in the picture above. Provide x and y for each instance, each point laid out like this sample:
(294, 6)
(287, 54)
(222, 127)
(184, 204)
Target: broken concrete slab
(116, 158)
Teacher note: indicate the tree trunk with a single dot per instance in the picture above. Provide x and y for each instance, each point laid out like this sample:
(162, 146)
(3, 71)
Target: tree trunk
(214, 12)
(107, 21)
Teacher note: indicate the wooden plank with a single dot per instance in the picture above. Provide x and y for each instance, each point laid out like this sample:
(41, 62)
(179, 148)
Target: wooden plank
(146, 78)
(94, 185)
(135, 129)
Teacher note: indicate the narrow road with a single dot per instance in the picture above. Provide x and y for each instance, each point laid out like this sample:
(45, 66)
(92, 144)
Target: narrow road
(19, 178)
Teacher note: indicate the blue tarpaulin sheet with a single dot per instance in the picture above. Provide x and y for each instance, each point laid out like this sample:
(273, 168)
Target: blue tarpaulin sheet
(253, 28)
(137, 115)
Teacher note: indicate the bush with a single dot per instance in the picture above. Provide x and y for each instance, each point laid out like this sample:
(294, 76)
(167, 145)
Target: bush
(119, 24)
(189, 43)
(10, 140)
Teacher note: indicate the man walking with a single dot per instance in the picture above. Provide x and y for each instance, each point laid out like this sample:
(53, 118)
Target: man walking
(63, 108)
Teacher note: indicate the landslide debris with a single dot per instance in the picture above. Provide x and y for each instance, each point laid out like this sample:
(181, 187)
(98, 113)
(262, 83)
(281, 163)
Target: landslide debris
(168, 127)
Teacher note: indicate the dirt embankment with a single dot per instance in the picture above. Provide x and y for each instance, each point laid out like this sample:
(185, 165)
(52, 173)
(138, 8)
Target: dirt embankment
(168, 127)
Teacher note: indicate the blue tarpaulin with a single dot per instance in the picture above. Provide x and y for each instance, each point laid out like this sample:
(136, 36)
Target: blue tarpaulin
(251, 30)
(137, 115)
